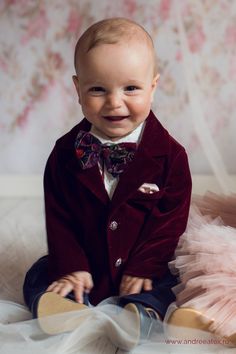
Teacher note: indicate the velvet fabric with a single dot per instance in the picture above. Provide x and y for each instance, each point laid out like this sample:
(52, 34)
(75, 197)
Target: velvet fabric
(134, 233)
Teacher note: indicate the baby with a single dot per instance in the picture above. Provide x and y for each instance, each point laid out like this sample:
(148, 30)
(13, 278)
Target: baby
(117, 186)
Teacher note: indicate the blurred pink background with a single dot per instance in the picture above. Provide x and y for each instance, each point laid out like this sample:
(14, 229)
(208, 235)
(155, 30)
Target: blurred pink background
(196, 99)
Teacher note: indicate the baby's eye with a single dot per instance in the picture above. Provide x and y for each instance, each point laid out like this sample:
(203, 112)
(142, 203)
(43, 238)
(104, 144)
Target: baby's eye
(97, 89)
(131, 88)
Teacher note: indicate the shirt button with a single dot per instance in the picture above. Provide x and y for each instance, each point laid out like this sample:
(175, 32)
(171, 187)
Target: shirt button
(113, 225)
(118, 262)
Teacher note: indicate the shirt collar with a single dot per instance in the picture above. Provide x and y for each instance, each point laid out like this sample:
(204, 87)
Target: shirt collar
(133, 137)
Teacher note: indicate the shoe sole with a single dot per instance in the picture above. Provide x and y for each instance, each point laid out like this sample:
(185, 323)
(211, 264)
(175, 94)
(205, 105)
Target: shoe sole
(190, 318)
(51, 304)
(193, 319)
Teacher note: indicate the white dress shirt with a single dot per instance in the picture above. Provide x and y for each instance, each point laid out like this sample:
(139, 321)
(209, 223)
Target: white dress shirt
(135, 136)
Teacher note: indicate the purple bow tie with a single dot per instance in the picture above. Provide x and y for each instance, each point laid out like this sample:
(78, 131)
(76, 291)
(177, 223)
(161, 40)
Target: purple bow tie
(90, 151)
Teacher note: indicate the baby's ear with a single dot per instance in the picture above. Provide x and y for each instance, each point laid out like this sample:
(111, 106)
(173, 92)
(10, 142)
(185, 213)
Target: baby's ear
(155, 81)
(154, 85)
(76, 83)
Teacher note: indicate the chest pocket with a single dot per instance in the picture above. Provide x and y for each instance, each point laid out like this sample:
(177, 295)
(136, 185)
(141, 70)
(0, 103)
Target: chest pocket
(145, 201)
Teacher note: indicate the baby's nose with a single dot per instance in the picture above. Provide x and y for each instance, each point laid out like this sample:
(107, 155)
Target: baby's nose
(113, 101)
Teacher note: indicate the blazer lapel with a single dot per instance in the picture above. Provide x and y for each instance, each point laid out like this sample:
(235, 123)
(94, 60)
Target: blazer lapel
(91, 178)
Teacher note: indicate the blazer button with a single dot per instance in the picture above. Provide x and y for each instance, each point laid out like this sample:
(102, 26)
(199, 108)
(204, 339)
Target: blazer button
(113, 225)
(118, 262)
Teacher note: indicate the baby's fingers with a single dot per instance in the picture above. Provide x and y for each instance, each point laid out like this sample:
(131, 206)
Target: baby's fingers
(136, 287)
(52, 286)
(61, 287)
(79, 291)
(147, 284)
(66, 288)
(88, 284)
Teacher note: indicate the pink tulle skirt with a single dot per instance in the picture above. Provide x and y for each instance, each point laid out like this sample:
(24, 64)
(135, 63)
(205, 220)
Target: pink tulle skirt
(206, 262)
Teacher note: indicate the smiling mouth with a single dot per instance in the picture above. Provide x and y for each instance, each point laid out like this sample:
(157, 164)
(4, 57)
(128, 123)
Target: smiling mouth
(115, 118)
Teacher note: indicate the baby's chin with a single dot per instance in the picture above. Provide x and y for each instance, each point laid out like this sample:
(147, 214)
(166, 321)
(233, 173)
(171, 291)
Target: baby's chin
(114, 134)
(119, 135)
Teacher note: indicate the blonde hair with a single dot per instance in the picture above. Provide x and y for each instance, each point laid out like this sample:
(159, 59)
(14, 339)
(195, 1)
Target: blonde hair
(112, 31)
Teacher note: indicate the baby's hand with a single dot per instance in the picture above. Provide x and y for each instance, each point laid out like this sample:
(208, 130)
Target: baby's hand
(79, 282)
(134, 285)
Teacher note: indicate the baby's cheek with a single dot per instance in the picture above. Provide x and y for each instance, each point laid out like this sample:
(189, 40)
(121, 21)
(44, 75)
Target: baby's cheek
(140, 108)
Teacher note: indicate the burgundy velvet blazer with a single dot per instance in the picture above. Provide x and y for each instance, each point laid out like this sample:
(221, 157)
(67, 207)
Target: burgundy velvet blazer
(81, 231)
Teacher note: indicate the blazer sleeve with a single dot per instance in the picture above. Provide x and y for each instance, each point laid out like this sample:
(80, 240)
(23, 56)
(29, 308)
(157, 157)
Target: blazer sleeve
(165, 224)
(65, 253)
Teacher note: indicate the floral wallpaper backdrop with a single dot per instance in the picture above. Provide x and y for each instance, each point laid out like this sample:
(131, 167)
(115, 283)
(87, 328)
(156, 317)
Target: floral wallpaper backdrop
(196, 98)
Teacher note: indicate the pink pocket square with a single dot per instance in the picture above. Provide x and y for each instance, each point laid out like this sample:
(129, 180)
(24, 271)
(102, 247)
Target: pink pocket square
(148, 188)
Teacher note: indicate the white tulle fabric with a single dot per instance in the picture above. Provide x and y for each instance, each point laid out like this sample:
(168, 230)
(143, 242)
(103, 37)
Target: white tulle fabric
(206, 262)
(21, 335)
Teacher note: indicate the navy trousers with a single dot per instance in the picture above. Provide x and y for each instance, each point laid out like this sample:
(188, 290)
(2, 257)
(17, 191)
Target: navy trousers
(159, 298)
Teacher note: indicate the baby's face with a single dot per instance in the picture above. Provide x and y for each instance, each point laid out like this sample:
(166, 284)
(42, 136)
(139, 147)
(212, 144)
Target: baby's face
(115, 87)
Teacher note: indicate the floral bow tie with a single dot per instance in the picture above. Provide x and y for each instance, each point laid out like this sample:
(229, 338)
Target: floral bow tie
(90, 151)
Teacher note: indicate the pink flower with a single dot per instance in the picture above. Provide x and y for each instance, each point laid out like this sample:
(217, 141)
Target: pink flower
(55, 60)
(73, 22)
(230, 35)
(3, 65)
(164, 9)
(130, 6)
(10, 2)
(22, 118)
(232, 67)
(187, 10)
(196, 38)
(178, 55)
(17, 2)
(37, 26)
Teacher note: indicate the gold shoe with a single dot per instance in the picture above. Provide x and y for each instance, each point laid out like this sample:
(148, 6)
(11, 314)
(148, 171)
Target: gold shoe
(190, 318)
(186, 317)
(51, 304)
